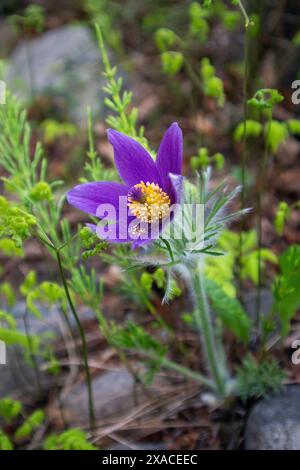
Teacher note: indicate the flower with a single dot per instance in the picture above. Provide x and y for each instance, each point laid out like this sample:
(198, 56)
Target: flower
(149, 188)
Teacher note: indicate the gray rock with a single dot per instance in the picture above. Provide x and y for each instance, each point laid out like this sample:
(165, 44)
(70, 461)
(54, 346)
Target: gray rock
(17, 376)
(64, 64)
(113, 393)
(274, 422)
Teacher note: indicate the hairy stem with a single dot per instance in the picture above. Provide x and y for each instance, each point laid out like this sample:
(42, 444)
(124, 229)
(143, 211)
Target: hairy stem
(204, 324)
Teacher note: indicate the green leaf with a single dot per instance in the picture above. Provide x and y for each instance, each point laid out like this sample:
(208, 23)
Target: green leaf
(33, 422)
(5, 442)
(10, 409)
(286, 287)
(165, 38)
(229, 310)
(172, 62)
(276, 133)
(294, 126)
(73, 439)
(251, 128)
(256, 378)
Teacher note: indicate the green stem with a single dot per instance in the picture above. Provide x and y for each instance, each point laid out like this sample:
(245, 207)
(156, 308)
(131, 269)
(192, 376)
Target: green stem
(245, 148)
(83, 342)
(182, 370)
(262, 171)
(186, 372)
(31, 352)
(204, 324)
(244, 13)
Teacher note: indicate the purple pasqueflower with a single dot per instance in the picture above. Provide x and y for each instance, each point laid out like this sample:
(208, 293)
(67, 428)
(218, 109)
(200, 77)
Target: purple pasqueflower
(149, 187)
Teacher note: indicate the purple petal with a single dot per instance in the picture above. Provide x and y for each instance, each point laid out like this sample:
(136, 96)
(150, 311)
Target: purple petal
(87, 197)
(177, 185)
(169, 157)
(132, 161)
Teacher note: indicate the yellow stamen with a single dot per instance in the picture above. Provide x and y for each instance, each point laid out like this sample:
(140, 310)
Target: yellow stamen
(152, 206)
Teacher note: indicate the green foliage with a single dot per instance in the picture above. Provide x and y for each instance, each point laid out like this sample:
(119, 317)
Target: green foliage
(9, 248)
(282, 214)
(48, 293)
(296, 39)
(88, 286)
(231, 19)
(256, 378)
(147, 279)
(7, 292)
(222, 269)
(125, 118)
(130, 285)
(103, 12)
(276, 133)
(10, 409)
(172, 62)
(165, 38)
(32, 20)
(73, 439)
(94, 168)
(5, 442)
(134, 338)
(250, 129)
(15, 224)
(199, 27)
(212, 85)
(15, 151)
(41, 192)
(14, 337)
(230, 311)
(11, 336)
(294, 126)
(265, 99)
(29, 283)
(8, 319)
(203, 160)
(33, 422)
(54, 130)
(286, 287)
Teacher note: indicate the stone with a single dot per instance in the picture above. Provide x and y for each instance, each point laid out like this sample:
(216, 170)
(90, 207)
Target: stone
(17, 376)
(274, 422)
(113, 394)
(63, 64)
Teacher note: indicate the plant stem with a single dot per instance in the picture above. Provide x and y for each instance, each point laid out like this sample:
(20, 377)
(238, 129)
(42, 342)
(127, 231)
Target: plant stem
(83, 342)
(31, 352)
(262, 170)
(186, 372)
(245, 148)
(244, 13)
(204, 324)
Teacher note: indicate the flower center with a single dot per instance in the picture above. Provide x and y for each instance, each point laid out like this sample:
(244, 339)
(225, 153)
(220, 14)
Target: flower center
(148, 202)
